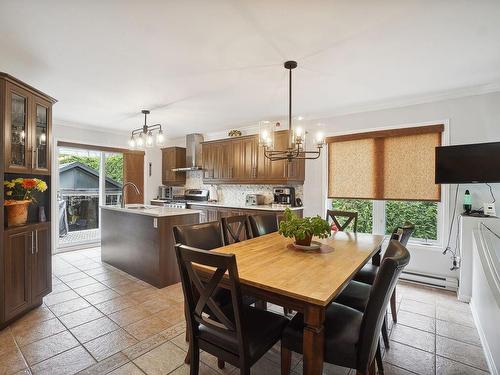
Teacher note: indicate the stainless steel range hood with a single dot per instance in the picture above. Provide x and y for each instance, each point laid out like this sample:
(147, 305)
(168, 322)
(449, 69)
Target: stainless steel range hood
(193, 153)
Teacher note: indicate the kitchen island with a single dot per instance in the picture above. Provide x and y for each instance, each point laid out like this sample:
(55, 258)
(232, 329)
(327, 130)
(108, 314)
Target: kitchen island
(138, 240)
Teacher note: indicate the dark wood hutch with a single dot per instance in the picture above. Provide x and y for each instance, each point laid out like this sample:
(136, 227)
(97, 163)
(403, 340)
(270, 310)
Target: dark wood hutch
(25, 251)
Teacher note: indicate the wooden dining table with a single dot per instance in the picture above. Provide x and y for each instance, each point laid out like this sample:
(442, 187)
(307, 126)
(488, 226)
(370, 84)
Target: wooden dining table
(272, 269)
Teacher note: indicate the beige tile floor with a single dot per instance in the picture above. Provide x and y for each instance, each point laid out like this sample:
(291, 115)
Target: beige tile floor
(99, 320)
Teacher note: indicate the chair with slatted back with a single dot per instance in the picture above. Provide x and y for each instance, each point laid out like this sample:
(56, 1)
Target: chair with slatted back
(235, 229)
(335, 215)
(236, 333)
(206, 236)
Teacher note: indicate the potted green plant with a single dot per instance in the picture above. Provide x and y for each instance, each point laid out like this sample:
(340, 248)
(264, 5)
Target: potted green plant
(303, 229)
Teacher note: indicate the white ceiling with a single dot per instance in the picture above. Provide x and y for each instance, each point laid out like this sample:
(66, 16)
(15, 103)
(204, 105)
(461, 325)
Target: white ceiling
(208, 65)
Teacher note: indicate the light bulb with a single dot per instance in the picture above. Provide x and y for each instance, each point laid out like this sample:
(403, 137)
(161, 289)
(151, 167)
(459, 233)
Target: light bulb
(131, 142)
(43, 139)
(149, 140)
(320, 138)
(298, 132)
(160, 138)
(140, 141)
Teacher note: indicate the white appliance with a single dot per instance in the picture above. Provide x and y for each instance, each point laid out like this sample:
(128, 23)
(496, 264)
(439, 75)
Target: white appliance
(467, 225)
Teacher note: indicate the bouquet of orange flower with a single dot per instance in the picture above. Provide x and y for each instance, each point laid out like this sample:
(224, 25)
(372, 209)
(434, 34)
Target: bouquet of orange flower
(23, 189)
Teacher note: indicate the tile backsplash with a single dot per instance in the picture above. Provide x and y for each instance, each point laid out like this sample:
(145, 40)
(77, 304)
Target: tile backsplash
(234, 194)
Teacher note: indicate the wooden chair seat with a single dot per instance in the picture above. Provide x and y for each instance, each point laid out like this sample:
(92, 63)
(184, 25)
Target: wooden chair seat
(262, 329)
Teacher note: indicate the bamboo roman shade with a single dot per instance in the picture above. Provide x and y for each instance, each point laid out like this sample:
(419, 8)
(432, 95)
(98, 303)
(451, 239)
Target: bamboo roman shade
(388, 165)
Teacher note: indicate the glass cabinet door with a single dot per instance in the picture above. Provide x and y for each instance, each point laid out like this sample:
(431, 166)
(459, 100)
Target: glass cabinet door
(40, 137)
(18, 131)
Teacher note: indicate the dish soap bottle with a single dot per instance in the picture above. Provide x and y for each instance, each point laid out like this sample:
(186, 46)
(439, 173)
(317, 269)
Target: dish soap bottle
(467, 202)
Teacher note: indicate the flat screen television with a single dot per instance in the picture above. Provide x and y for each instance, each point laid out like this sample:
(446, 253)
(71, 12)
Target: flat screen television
(459, 164)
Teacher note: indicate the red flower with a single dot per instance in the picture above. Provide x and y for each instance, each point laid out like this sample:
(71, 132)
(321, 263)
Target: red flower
(29, 184)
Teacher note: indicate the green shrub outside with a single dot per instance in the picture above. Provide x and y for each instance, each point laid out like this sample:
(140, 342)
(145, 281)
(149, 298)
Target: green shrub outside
(422, 214)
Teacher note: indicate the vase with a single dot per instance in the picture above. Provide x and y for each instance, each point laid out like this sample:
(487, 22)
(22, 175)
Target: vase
(306, 241)
(17, 212)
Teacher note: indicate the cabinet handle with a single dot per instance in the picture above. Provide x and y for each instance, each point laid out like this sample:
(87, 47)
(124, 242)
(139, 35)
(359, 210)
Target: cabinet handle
(36, 241)
(32, 245)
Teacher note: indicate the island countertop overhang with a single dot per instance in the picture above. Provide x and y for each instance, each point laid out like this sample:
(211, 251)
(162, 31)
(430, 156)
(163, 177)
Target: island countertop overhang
(153, 211)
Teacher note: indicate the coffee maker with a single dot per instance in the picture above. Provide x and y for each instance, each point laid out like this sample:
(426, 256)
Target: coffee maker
(284, 196)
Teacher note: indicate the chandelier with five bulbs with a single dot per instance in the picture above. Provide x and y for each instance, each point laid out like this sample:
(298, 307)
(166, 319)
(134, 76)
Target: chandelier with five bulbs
(296, 138)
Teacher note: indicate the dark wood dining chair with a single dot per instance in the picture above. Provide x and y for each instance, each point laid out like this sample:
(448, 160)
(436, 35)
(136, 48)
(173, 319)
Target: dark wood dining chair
(263, 224)
(352, 338)
(206, 236)
(369, 271)
(235, 229)
(350, 217)
(236, 333)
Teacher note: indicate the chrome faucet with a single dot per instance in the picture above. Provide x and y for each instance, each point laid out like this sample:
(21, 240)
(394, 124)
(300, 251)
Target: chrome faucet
(123, 191)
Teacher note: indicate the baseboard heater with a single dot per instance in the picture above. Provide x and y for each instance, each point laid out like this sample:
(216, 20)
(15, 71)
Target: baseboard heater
(447, 283)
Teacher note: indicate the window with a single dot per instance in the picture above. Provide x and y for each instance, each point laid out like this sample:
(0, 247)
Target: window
(424, 215)
(388, 178)
(390, 214)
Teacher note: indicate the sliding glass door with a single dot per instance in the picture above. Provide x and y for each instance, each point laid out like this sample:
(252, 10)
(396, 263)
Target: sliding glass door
(87, 179)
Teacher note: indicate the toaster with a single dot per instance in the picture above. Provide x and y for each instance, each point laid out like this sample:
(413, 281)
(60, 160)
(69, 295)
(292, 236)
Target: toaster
(254, 199)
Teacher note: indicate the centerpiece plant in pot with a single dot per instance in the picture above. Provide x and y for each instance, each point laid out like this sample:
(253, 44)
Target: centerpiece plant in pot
(303, 229)
(19, 194)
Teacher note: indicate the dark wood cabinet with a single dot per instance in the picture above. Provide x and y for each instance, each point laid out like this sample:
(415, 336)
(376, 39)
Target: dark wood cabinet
(241, 161)
(27, 268)
(17, 268)
(25, 143)
(27, 128)
(173, 157)
(41, 265)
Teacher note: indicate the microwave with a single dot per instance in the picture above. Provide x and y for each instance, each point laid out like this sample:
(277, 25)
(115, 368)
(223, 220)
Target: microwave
(169, 192)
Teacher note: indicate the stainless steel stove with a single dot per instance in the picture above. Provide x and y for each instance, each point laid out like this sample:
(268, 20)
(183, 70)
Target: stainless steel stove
(190, 196)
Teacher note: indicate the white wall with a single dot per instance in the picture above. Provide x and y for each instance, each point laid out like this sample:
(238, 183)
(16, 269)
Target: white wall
(471, 119)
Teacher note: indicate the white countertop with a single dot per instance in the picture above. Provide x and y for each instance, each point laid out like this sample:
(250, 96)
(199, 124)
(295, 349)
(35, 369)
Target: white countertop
(148, 210)
(263, 207)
